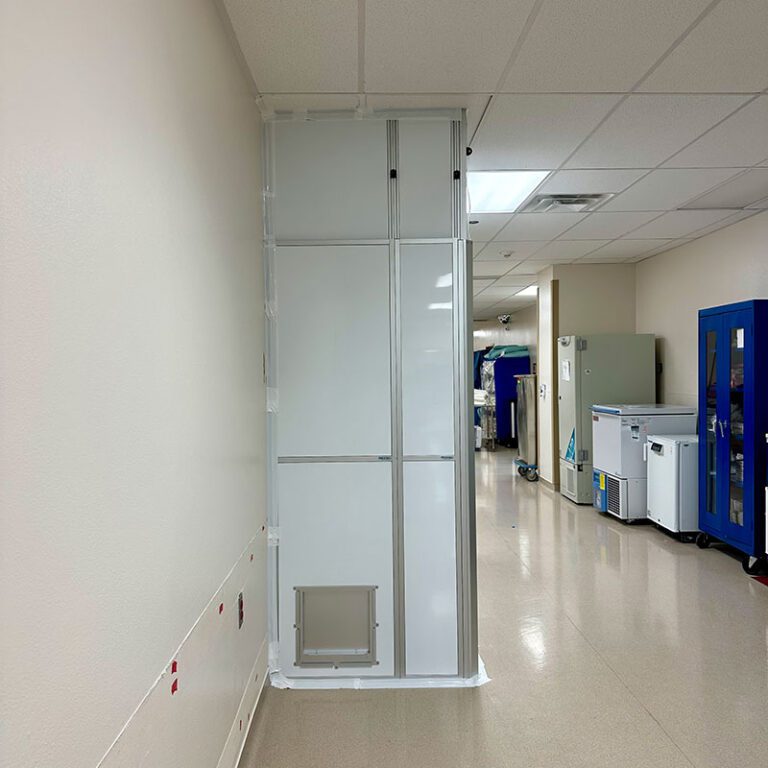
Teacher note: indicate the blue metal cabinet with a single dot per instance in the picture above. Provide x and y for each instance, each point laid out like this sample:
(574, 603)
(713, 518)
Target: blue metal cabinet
(733, 425)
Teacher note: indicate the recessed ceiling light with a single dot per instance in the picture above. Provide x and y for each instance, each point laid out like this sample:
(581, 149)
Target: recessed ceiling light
(501, 191)
(531, 290)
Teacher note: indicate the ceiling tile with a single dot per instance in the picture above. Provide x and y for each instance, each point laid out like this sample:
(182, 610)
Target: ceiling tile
(597, 45)
(294, 46)
(679, 224)
(491, 268)
(514, 304)
(531, 267)
(607, 226)
(593, 258)
(539, 226)
(519, 250)
(647, 129)
(742, 191)
(433, 45)
(668, 245)
(480, 285)
(502, 291)
(668, 188)
(488, 225)
(731, 218)
(520, 281)
(539, 132)
(602, 180)
(567, 250)
(741, 140)
(625, 248)
(725, 52)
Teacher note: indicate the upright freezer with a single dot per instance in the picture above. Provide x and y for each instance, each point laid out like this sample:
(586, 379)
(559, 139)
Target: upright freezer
(602, 368)
(619, 435)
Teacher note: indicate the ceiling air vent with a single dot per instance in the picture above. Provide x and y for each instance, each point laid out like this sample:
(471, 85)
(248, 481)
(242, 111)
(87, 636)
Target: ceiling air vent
(549, 203)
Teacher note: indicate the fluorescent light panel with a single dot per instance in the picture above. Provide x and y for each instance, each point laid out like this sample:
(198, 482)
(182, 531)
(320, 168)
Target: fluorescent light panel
(531, 290)
(501, 191)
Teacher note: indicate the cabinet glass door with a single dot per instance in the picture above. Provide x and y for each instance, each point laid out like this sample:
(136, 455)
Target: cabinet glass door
(733, 432)
(709, 416)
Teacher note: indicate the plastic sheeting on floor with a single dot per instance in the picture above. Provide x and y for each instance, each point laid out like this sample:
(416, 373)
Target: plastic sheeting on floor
(279, 680)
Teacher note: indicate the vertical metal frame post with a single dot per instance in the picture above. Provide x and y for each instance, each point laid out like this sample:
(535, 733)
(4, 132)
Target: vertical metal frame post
(396, 394)
(466, 561)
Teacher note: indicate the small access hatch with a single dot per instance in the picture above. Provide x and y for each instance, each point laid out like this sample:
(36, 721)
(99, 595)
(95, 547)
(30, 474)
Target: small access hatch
(336, 626)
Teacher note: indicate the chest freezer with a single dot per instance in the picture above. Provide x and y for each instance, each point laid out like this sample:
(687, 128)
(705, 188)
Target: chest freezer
(673, 472)
(619, 436)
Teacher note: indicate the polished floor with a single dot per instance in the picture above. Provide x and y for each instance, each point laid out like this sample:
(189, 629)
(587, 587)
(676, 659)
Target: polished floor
(607, 645)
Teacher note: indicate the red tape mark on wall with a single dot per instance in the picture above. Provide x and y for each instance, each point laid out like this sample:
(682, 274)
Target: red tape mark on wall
(174, 687)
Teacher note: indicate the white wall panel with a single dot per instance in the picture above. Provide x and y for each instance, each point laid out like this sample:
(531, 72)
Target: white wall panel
(331, 179)
(336, 529)
(333, 350)
(426, 302)
(430, 568)
(425, 178)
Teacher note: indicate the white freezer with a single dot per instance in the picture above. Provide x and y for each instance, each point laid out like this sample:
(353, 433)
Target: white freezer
(619, 435)
(673, 491)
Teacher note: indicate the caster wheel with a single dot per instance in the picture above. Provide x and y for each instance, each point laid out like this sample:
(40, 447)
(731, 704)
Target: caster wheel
(521, 471)
(531, 475)
(754, 566)
(703, 541)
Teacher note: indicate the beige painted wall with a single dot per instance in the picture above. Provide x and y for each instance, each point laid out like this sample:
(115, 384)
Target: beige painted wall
(591, 298)
(132, 447)
(523, 330)
(596, 298)
(726, 266)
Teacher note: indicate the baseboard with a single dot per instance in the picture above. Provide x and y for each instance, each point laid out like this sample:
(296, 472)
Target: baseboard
(197, 712)
(241, 726)
(549, 484)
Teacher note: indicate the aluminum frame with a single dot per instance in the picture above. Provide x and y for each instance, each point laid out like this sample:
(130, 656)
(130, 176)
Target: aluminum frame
(463, 456)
